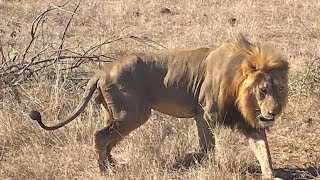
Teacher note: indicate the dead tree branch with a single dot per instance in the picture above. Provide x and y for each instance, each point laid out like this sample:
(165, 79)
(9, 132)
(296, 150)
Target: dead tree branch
(66, 29)
(34, 28)
(34, 60)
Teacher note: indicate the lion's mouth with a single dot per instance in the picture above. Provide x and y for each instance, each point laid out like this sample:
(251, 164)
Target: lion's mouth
(263, 119)
(265, 122)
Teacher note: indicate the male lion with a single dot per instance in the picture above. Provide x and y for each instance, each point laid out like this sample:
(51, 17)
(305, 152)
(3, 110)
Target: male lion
(239, 84)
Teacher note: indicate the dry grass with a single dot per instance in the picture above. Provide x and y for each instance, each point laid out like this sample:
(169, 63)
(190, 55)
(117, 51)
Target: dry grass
(27, 152)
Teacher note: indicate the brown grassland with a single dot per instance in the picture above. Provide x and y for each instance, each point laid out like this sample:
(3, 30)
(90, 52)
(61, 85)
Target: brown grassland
(50, 76)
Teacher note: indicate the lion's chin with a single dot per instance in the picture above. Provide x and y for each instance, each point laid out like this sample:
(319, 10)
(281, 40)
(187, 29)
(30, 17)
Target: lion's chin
(265, 122)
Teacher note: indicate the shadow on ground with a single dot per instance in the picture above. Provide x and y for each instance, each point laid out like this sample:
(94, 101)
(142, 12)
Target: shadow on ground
(292, 173)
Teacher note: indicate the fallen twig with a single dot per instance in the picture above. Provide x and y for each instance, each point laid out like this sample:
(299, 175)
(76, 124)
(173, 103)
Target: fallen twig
(308, 29)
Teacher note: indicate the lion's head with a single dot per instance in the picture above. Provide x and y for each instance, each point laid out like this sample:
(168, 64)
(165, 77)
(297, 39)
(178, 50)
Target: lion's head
(259, 82)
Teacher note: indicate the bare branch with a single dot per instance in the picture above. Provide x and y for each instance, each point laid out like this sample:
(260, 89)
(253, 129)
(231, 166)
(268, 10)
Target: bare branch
(15, 72)
(3, 58)
(34, 27)
(66, 29)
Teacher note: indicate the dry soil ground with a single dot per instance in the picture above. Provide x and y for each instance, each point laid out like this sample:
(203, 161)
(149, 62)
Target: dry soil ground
(55, 87)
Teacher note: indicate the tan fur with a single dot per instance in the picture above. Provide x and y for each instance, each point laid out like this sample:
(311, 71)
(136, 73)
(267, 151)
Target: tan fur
(224, 84)
(255, 60)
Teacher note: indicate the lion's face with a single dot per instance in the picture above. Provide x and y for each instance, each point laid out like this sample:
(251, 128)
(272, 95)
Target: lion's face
(270, 96)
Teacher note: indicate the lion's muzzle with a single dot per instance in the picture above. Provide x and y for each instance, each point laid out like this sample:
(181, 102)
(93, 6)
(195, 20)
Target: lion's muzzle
(266, 121)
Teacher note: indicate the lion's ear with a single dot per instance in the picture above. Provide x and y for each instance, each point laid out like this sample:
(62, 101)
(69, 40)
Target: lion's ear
(243, 42)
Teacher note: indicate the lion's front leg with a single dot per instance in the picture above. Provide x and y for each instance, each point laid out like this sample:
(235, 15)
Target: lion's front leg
(259, 145)
(205, 125)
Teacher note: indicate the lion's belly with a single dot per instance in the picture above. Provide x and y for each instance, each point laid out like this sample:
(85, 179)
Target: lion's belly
(174, 102)
(176, 110)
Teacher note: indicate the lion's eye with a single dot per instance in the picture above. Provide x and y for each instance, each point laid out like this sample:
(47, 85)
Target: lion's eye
(281, 88)
(263, 90)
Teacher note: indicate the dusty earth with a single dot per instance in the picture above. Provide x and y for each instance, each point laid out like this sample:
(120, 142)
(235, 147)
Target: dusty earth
(100, 31)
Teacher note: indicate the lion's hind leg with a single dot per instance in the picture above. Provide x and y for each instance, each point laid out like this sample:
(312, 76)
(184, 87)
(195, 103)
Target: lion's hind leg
(103, 142)
(123, 120)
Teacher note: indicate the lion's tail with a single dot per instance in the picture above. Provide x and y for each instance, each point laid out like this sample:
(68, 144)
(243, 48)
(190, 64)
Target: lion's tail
(91, 87)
